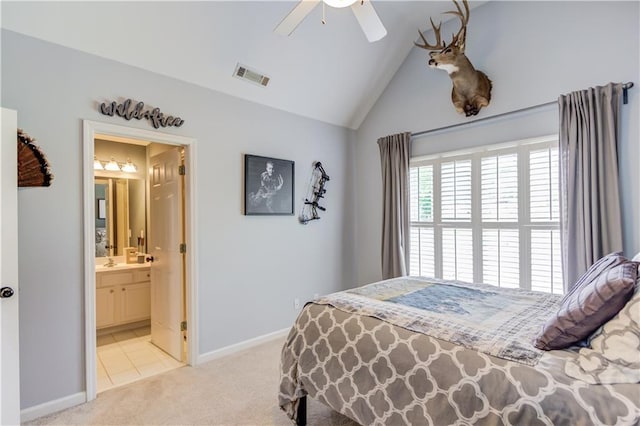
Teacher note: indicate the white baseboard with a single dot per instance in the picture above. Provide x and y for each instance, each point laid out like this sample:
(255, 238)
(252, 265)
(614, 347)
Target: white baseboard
(51, 407)
(229, 350)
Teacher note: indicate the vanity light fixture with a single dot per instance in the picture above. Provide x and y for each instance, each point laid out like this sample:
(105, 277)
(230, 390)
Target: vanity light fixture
(129, 167)
(97, 165)
(112, 166)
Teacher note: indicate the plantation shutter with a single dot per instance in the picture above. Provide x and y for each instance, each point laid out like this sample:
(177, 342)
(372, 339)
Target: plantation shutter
(455, 195)
(499, 193)
(422, 254)
(489, 215)
(421, 194)
(546, 270)
(543, 189)
(422, 259)
(500, 188)
(457, 259)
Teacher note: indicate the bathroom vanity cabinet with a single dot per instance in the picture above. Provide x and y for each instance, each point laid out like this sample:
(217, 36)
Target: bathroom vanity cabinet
(122, 296)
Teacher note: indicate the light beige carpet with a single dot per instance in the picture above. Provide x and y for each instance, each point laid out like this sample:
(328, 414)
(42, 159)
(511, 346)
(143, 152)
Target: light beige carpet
(240, 389)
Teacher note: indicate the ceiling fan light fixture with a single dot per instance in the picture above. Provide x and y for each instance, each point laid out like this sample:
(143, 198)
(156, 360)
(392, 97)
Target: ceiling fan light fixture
(339, 3)
(365, 14)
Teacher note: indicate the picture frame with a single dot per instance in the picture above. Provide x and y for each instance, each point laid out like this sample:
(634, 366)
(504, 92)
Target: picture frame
(268, 186)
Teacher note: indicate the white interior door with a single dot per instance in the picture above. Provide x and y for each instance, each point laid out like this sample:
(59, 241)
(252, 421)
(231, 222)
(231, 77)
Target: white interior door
(9, 342)
(165, 237)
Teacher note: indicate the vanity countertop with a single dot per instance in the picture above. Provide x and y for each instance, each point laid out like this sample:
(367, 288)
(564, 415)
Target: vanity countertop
(120, 266)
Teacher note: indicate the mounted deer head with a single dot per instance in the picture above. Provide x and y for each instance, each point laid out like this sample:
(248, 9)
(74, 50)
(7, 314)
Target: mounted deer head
(471, 88)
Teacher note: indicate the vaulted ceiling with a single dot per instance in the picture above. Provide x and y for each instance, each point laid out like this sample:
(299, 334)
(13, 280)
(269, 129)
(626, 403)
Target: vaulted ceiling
(326, 72)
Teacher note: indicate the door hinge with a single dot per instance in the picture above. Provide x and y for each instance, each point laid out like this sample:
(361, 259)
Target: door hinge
(183, 248)
(182, 170)
(183, 326)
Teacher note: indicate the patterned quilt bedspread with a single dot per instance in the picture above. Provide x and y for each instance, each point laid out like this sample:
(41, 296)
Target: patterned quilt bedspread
(385, 366)
(496, 321)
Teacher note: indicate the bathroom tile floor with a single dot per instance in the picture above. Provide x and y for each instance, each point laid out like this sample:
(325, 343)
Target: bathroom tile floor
(127, 356)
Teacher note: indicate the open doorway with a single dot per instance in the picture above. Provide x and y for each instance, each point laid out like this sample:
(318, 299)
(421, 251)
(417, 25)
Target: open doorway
(139, 281)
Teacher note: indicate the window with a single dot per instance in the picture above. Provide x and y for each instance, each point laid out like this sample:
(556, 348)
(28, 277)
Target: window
(489, 215)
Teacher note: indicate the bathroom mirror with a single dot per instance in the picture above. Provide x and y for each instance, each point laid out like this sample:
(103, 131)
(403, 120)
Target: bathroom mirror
(120, 215)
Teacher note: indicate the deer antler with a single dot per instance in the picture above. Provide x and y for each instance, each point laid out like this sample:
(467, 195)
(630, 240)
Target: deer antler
(460, 38)
(439, 44)
(457, 39)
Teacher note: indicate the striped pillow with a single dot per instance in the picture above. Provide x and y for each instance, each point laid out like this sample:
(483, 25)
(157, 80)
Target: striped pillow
(598, 296)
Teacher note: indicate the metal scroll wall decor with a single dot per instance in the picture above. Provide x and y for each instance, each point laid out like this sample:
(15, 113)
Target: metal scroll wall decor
(316, 191)
(33, 167)
(155, 117)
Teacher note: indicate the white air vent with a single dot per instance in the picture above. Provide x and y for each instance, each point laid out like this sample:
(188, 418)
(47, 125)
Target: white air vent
(253, 76)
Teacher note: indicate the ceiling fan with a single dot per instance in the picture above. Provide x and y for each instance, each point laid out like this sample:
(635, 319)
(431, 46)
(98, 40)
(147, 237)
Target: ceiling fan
(363, 9)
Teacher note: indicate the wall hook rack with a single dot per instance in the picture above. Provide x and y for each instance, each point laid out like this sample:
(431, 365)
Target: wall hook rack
(316, 191)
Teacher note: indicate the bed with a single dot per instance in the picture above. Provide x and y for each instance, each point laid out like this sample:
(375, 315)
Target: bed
(419, 351)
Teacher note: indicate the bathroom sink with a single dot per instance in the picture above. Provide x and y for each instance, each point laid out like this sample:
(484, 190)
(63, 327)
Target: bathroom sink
(106, 266)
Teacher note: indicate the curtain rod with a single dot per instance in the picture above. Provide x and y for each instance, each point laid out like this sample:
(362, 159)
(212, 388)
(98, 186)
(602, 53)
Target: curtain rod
(625, 87)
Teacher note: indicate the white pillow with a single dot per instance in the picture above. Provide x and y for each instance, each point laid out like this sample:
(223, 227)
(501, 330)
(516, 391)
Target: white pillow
(636, 258)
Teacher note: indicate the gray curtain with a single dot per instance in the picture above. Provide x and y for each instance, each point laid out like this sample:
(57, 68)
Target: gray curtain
(591, 223)
(394, 158)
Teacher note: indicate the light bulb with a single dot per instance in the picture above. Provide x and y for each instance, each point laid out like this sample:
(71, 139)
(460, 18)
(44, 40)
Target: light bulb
(97, 165)
(112, 166)
(129, 167)
(339, 3)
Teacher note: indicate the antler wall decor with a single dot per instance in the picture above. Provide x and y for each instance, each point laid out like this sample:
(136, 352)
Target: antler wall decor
(471, 88)
(33, 167)
(316, 188)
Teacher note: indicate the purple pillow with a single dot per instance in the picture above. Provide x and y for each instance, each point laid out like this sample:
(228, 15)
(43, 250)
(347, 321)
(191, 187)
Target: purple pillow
(595, 299)
(604, 263)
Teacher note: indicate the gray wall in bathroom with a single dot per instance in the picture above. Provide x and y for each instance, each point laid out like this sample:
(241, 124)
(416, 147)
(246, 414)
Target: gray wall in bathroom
(251, 268)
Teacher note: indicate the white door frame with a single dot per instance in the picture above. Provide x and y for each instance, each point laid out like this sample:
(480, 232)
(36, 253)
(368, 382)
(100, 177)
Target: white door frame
(9, 332)
(91, 129)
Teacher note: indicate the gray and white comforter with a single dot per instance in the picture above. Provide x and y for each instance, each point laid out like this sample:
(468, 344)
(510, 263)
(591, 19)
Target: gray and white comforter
(380, 372)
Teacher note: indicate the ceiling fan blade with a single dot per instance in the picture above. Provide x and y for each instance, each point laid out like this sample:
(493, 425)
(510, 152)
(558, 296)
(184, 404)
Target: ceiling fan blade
(297, 15)
(369, 20)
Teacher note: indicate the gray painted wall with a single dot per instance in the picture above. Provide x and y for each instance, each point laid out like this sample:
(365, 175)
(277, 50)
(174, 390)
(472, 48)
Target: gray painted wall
(533, 52)
(251, 268)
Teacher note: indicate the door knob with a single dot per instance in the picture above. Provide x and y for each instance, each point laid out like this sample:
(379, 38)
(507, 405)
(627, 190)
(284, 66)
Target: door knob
(6, 292)
(150, 259)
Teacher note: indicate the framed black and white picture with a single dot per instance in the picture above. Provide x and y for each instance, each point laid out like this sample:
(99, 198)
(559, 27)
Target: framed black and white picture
(268, 186)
